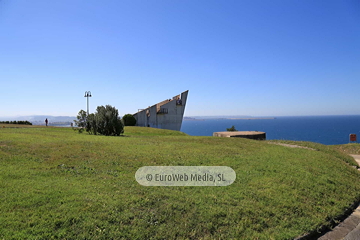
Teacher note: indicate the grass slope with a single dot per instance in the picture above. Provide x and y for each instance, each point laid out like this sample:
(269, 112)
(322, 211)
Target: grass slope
(58, 184)
(350, 148)
(329, 149)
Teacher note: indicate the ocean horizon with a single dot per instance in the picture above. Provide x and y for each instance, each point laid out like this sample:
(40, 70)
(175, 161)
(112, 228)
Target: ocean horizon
(328, 130)
(325, 129)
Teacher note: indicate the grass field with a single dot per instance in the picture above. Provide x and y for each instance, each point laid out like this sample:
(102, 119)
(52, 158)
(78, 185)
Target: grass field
(351, 148)
(58, 184)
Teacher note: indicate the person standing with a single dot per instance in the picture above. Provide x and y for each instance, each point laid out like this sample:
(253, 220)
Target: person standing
(46, 121)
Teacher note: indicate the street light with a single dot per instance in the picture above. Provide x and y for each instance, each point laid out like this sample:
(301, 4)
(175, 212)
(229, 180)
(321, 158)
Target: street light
(87, 95)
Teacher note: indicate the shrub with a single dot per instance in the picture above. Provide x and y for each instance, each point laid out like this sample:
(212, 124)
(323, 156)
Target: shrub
(17, 122)
(232, 129)
(104, 121)
(81, 121)
(129, 120)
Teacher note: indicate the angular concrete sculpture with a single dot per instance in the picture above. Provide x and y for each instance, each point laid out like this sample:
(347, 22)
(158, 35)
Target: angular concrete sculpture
(167, 114)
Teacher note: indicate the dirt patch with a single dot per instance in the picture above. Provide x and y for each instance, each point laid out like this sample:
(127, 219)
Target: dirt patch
(292, 146)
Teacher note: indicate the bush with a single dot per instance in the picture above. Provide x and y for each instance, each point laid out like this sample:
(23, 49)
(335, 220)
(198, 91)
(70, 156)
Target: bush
(104, 121)
(16, 122)
(107, 121)
(232, 129)
(129, 120)
(81, 121)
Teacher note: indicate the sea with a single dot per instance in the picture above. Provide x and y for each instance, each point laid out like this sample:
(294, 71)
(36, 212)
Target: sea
(328, 130)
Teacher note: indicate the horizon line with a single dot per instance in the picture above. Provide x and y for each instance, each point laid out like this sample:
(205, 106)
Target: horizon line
(16, 116)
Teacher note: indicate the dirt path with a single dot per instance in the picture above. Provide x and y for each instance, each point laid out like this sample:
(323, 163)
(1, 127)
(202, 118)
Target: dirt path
(291, 145)
(356, 157)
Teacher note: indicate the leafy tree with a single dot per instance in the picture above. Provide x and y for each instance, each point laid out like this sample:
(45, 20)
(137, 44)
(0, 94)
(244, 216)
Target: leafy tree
(81, 120)
(232, 129)
(108, 122)
(91, 124)
(104, 121)
(129, 120)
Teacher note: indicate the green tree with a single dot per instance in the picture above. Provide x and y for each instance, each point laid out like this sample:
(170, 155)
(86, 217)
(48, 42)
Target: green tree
(91, 124)
(104, 121)
(232, 129)
(108, 122)
(129, 120)
(81, 120)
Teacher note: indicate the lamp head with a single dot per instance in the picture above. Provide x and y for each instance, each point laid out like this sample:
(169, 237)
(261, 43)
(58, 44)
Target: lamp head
(87, 94)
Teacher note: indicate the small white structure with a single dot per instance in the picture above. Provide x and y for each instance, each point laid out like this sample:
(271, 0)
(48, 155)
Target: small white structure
(243, 134)
(167, 114)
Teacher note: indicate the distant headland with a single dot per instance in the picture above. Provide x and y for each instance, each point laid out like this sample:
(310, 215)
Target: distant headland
(203, 118)
(252, 118)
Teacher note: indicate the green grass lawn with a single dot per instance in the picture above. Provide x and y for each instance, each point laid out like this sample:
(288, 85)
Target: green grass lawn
(58, 184)
(350, 148)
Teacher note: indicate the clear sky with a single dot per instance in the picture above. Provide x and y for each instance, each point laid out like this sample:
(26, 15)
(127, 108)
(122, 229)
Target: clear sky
(258, 58)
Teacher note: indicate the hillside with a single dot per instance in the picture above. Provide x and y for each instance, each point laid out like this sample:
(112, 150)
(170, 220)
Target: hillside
(56, 183)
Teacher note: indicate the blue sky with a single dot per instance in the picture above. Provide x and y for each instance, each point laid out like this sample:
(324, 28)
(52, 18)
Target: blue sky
(258, 58)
